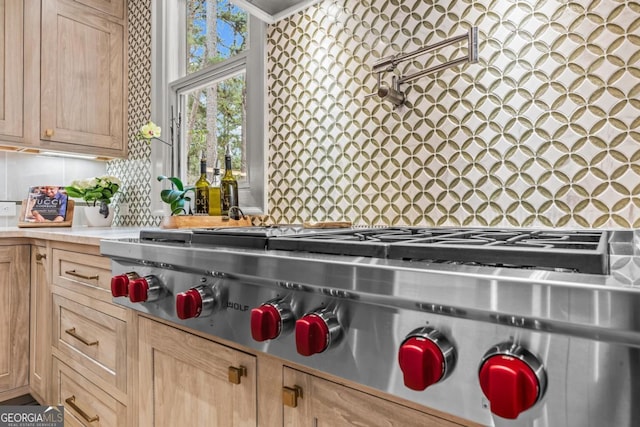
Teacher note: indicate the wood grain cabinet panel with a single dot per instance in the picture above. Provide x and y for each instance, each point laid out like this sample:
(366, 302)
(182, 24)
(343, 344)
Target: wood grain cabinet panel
(40, 325)
(85, 404)
(186, 380)
(327, 404)
(11, 67)
(94, 340)
(14, 318)
(82, 78)
(83, 273)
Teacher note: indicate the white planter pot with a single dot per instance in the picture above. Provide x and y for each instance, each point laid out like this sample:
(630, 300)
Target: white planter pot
(96, 219)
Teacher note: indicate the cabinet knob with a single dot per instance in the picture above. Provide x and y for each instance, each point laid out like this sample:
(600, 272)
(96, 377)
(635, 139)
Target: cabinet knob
(40, 257)
(48, 133)
(236, 374)
(290, 395)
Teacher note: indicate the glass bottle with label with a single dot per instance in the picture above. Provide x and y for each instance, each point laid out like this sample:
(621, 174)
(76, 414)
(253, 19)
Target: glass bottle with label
(214, 192)
(202, 188)
(229, 188)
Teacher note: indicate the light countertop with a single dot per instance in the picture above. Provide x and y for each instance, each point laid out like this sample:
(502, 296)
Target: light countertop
(81, 235)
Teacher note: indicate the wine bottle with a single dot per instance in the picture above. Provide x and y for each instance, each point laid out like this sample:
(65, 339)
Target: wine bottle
(229, 188)
(214, 191)
(202, 188)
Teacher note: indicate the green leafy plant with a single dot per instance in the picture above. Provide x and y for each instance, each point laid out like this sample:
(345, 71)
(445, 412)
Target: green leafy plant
(99, 189)
(176, 196)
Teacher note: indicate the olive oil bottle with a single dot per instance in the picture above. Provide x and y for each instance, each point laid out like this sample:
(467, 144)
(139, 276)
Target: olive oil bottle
(202, 188)
(229, 189)
(214, 192)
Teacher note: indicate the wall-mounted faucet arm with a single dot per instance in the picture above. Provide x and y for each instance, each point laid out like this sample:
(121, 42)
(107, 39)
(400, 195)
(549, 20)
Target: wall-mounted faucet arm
(395, 94)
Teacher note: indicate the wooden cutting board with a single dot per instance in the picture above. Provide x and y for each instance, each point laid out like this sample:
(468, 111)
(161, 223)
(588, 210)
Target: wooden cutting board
(203, 221)
(328, 224)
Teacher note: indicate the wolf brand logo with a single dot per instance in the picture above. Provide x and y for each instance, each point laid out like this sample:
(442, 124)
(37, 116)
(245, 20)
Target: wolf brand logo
(31, 416)
(236, 306)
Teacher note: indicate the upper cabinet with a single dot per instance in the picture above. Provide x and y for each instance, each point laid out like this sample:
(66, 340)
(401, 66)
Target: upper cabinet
(83, 88)
(271, 11)
(11, 68)
(63, 76)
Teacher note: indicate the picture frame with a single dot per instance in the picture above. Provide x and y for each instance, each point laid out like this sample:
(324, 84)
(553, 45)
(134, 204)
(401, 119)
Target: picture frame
(46, 206)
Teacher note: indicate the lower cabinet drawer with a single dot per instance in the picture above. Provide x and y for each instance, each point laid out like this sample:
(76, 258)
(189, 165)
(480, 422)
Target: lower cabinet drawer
(89, 339)
(83, 273)
(84, 403)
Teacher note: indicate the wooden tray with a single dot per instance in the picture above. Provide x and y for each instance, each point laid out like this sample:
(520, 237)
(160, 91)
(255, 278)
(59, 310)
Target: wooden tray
(66, 223)
(203, 221)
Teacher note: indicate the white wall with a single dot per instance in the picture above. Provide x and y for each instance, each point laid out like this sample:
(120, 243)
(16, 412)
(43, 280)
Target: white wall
(20, 171)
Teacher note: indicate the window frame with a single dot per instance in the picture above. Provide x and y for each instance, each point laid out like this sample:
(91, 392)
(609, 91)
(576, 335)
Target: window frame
(169, 80)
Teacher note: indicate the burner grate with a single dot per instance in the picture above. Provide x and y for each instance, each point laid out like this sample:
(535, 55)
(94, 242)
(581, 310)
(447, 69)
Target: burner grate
(558, 250)
(578, 251)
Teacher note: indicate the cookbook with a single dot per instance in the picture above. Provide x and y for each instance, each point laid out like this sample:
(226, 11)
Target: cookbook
(46, 203)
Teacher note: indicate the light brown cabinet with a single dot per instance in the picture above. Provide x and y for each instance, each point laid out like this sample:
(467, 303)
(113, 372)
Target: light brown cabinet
(11, 68)
(83, 77)
(314, 401)
(85, 403)
(63, 76)
(90, 343)
(188, 380)
(14, 319)
(40, 325)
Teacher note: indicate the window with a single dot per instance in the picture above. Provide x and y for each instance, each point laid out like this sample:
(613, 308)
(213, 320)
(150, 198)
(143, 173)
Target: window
(213, 93)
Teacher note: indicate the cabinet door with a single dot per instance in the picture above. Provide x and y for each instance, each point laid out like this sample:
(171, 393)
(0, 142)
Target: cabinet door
(82, 79)
(327, 404)
(40, 325)
(11, 67)
(185, 380)
(14, 316)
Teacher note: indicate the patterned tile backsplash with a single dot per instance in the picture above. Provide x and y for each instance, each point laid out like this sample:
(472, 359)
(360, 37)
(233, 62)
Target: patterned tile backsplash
(543, 131)
(135, 171)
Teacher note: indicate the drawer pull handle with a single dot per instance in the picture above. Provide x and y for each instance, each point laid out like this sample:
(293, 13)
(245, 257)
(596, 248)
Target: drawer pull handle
(290, 395)
(40, 257)
(71, 401)
(236, 374)
(82, 276)
(48, 133)
(84, 341)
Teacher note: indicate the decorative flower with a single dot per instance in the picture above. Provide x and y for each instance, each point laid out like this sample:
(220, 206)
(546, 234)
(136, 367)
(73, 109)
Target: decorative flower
(97, 189)
(151, 131)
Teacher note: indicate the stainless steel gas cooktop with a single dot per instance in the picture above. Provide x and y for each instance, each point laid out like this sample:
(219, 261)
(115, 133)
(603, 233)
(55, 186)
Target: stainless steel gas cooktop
(498, 326)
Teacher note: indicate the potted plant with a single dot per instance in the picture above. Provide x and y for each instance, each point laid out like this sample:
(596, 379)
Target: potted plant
(176, 196)
(97, 192)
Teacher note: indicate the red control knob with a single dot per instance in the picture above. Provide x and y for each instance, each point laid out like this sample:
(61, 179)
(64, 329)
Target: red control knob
(120, 285)
(422, 363)
(188, 304)
(138, 290)
(266, 323)
(513, 381)
(312, 335)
